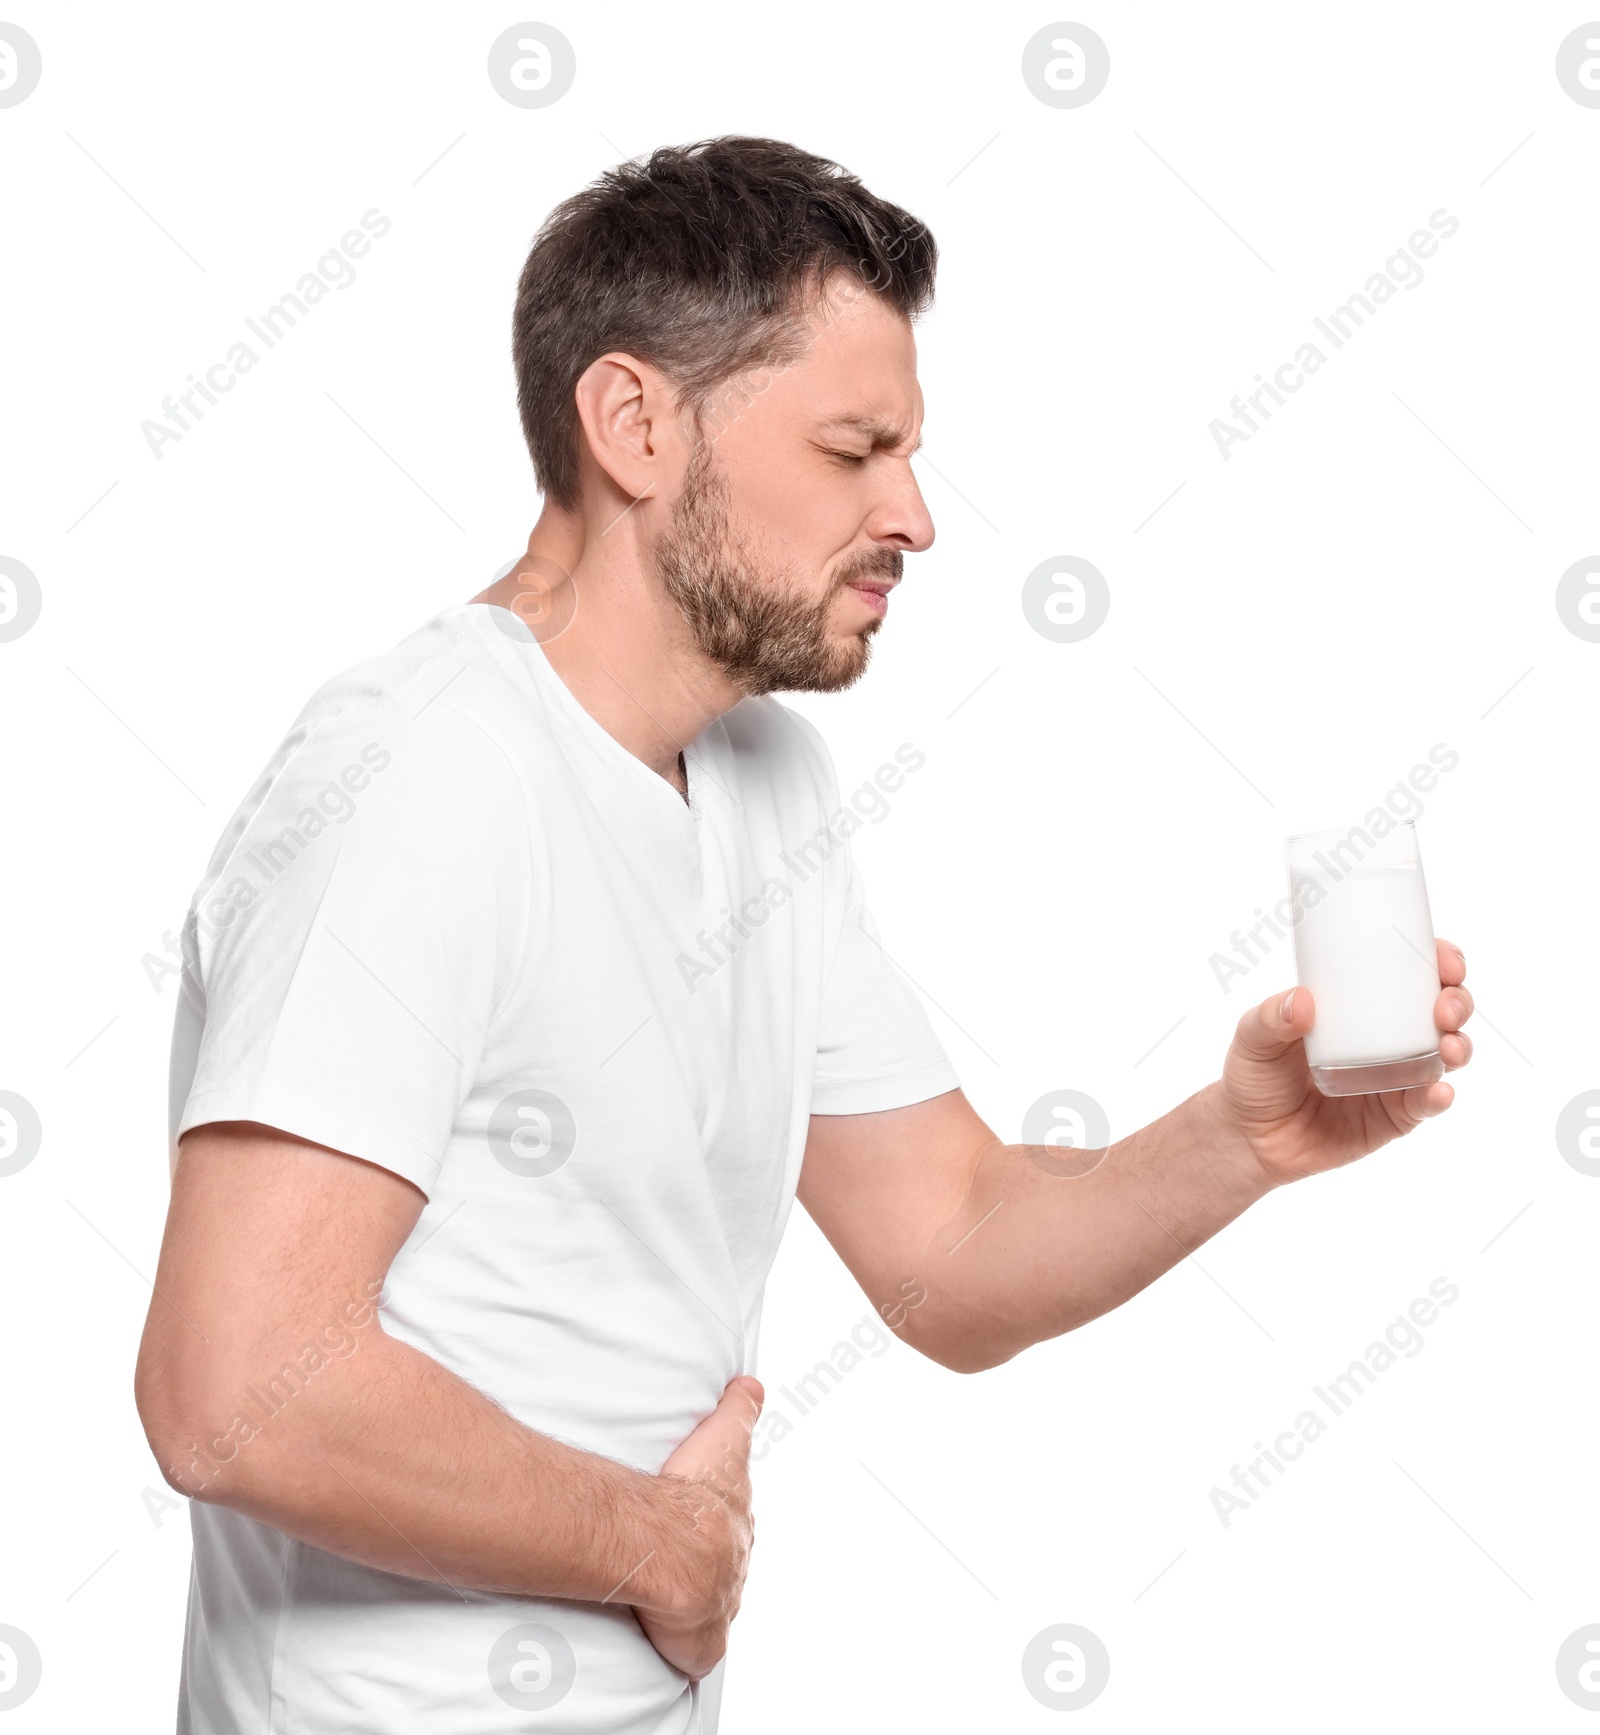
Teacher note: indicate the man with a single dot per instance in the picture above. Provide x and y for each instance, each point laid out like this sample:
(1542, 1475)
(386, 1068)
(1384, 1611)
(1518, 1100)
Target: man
(528, 985)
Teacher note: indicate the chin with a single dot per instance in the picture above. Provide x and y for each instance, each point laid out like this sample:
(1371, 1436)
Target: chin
(842, 664)
(848, 663)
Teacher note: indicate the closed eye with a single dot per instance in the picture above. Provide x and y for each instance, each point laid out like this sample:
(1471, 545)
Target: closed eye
(850, 457)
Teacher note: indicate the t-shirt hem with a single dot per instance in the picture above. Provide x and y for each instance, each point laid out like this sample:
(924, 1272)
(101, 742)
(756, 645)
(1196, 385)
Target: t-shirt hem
(321, 1122)
(873, 1095)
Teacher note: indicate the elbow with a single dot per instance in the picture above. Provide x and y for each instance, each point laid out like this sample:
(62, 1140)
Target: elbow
(197, 1460)
(966, 1358)
(195, 1457)
(958, 1345)
(171, 1432)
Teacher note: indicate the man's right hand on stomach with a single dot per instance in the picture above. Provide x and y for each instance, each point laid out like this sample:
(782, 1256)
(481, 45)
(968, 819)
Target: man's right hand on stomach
(705, 1490)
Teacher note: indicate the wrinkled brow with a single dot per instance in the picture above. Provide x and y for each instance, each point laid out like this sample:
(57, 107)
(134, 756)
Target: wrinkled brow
(879, 432)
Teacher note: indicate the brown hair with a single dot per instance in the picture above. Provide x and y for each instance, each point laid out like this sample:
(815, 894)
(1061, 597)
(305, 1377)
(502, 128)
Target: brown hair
(697, 261)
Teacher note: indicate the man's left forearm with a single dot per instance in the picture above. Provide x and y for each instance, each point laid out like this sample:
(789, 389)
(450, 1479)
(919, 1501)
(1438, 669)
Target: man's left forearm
(1049, 1238)
(973, 1249)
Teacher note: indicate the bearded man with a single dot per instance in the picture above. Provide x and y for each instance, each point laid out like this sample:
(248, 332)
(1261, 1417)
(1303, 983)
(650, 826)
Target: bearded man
(476, 1186)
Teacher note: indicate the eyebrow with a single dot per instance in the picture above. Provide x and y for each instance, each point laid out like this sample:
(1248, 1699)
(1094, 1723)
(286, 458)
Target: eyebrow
(880, 433)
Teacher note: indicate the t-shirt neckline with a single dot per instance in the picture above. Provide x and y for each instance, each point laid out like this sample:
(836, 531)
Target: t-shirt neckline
(546, 671)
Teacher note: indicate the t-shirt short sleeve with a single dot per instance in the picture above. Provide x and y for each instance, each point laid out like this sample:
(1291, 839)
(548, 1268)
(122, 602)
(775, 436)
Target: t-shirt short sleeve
(355, 934)
(876, 1049)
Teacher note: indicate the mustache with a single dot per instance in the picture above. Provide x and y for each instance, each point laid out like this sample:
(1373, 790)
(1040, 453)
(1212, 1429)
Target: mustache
(871, 563)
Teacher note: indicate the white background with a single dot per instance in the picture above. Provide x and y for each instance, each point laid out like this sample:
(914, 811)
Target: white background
(1372, 573)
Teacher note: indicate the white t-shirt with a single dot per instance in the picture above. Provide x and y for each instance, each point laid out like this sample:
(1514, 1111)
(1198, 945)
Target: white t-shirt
(458, 930)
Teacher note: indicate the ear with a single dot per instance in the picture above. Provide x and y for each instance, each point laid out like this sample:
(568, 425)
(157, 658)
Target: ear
(626, 408)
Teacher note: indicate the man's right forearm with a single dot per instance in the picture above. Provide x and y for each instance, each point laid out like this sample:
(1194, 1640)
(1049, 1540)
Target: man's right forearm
(362, 1445)
(387, 1458)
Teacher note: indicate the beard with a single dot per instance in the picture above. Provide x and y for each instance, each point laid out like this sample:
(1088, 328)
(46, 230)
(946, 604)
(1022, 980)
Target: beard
(747, 615)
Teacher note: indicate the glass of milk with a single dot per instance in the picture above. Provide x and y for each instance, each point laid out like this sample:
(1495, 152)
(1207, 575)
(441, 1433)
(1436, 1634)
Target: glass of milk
(1363, 945)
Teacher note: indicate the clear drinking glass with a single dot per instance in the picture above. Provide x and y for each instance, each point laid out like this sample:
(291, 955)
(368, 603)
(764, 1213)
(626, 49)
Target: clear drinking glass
(1363, 945)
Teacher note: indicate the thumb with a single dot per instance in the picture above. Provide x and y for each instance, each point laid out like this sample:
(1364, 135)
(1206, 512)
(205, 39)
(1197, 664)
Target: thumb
(738, 1409)
(1273, 1027)
(722, 1440)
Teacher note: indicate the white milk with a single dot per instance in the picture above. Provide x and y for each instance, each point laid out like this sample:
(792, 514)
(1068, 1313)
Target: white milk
(1365, 949)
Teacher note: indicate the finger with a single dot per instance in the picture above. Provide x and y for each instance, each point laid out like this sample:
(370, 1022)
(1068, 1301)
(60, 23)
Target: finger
(1422, 1102)
(1452, 963)
(723, 1438)
(1454, 1049)
(1452, 1009)
(1275, 1025)
(736, 1412)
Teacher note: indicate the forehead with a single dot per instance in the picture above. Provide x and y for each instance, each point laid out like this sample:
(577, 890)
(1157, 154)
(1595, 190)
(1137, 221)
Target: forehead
(858, 366)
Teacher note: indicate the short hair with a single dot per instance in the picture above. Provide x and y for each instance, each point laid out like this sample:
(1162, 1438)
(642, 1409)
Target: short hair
(698, 261)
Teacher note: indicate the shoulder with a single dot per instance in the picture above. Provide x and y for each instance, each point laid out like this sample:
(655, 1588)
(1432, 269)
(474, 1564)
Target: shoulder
(444, 670)
(406, 740)
(440, 694)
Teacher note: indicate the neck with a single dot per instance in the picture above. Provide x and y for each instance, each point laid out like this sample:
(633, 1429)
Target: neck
(616, 639)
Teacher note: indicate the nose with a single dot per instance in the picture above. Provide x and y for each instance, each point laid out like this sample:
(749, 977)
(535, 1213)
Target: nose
(902, 520)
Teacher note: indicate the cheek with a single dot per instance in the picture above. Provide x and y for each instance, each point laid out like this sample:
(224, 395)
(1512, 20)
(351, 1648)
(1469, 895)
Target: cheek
(800, 514)
(807, 546)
